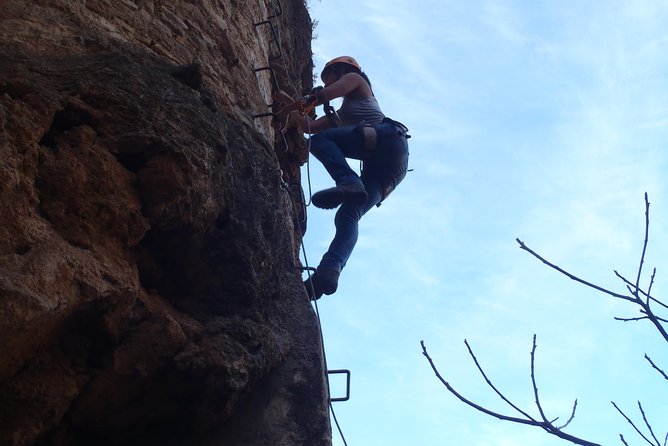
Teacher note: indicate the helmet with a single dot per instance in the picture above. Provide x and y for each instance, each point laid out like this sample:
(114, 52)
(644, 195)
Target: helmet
(343, 59)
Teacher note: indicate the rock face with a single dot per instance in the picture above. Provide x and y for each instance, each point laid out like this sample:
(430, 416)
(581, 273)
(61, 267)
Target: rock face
(149, 290)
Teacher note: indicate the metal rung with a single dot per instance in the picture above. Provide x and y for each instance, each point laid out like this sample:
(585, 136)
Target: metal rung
(272, 75)
(274, 82)
(279, 9)
(338, 372)
(307, 268)
(275, 36)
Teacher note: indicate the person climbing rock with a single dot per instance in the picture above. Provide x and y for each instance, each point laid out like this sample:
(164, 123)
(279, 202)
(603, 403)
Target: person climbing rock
(360, 131)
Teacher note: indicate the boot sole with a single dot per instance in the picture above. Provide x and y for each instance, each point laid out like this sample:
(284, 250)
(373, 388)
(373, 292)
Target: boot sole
(330, 199)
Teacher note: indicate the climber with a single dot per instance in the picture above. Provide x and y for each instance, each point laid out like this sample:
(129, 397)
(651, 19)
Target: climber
(364, 133)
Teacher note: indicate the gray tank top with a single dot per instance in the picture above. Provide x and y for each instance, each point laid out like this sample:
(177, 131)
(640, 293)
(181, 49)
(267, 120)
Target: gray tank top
(355, 111)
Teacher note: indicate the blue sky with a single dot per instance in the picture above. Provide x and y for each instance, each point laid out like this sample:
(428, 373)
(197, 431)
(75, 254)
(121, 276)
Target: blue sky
(543, 120)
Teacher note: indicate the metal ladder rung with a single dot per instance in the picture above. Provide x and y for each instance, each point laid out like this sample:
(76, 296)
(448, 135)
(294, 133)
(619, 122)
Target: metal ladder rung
(339, 372)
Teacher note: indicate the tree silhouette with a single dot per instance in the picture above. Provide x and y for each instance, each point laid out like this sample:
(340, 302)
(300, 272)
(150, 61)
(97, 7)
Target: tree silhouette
(647, 306)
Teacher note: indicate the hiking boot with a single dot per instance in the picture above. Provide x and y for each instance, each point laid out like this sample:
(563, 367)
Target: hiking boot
(353, 193)
(323, 281)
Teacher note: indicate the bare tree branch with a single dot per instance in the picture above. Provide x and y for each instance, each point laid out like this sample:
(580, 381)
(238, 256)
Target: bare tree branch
(627, 282)
(644, 304)
(533, 381)
(466, 401)
(649, 426)
(573, 277)
(631, 319)
(646, 294)
(659, 302)
(658, 370)
(530, 421)
(631, 423)
(644, 246)
(641, 318)
(649, 289)
(489, 383)
(535, 392)
(572, 417)
(636, 295)
(635, 299)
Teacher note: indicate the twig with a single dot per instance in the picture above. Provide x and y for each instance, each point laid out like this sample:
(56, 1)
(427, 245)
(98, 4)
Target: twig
(631, 423)
(533, 381)
(466, 401)
(644, 246)
(535, 392)
(573, 277)
(627, 282)
(651, 284)
(658, 370)
(575, 406)
(633, 319)
(545, 425)
(659, 302)
(489, 383)
(630, 319)
(649, 426)
(649, 314)
(645, 307)
(647, 293)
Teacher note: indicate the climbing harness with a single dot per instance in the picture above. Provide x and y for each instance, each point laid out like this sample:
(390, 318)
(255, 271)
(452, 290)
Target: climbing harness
(371, 134)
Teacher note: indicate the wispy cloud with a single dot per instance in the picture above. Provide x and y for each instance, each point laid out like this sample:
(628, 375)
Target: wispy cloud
(540, 121)
(504, 22)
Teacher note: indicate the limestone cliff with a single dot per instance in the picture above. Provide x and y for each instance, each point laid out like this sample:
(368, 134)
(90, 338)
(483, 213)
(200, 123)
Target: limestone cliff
(148, 284)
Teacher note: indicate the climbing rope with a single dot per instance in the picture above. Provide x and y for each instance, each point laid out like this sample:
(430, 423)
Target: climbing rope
(322, 343)
(277, 38)
(308, 269)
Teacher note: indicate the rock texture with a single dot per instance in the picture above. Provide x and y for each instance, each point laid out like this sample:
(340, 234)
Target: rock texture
(148, 284)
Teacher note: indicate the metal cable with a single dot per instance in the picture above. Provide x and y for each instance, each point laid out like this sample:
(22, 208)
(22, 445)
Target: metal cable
(302, 229)
(315, 302)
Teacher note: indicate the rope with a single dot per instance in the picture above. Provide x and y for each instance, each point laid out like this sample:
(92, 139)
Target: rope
(322, 342)
(315, 302)
(302, 231)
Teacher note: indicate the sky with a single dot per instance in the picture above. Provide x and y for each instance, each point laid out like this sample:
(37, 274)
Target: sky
(540, 120)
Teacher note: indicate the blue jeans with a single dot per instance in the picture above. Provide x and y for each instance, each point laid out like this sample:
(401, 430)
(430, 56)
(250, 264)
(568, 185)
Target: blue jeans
(382, 172)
